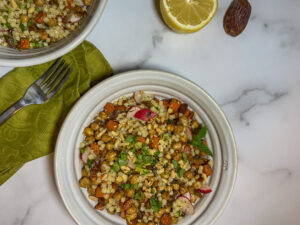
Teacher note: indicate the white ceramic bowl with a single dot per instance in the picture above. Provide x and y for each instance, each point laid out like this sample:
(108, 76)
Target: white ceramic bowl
(220, 140)
(15, 58)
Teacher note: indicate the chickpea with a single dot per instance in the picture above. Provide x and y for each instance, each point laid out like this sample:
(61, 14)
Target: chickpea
(170, 127)
(130, 193)
(110, 156)
(183, 190)
(95, 126)
(194, 124)
(109, 146)
(90, 139)
(43, 34)
(24, 18)
(87, 2)
(188, 175)
(175, 187)
(88, 132)
(134, 179)
(131, 210)
(178, 129)
(197, 185)
(106, 138)
(184, 121)
(140, 223)
(150, 223)
(103, 115)
(84, 182)
(176, 146)
(118, 195)
(184, 138)
(98, 135)
(177, 157)
(104, 167)
(91, 191)
(131, 216)
(52, 22)
(39, 2)
(84, 173)
(165, 195)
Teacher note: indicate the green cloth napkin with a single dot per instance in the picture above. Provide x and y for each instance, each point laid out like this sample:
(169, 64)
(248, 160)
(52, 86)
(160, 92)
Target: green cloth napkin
(32, 131)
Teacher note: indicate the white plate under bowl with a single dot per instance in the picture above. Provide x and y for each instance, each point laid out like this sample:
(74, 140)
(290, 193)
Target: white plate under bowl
(220, 140)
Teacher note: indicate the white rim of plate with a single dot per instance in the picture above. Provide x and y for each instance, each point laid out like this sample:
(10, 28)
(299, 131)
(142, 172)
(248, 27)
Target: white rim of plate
(66, 162)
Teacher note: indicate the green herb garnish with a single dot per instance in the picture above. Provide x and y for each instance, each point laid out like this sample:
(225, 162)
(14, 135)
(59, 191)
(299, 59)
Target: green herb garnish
(157, 153)
(131, 139)
(175, 164)
(184, 157)
(127, 186)
(115, 167)
(29, 23)
(180, 172)
(166, 136)
(155, 205)
(22, 26)
(89, 162)
(198, 141)
(122, 162)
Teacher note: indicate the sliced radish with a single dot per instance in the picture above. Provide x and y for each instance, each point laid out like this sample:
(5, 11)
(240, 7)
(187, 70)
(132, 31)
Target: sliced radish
(187, 195)
(145, 114)
(187, 206)
(205, 190)
(139, 97)
(74, 18)
(132, 111)
(189, 134)
(85, 155)
(130, 164)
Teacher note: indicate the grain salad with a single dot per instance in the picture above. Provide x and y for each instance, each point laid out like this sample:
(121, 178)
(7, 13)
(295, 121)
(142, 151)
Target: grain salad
(28, 24)
(146, 159)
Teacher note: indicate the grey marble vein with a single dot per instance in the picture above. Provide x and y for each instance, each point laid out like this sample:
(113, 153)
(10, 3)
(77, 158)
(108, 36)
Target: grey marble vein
(279, 172)
(251, 98)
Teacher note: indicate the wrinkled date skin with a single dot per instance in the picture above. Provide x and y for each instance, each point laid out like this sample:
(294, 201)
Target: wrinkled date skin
(236, 17)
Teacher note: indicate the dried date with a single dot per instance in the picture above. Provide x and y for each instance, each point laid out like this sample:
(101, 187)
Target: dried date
(237, 17)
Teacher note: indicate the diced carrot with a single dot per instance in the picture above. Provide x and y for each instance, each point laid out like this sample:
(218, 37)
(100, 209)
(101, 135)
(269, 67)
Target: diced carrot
(187, 113)
(99, 206)
(186, 149)
(191, 115)
(120, 108)
(174, 104)
(101, 176)
(207, 170)
(96, 148)
(112, 125)
(99, 193)
(70, 1)
(141, 139)
(166, 219)
(205, 142)
(156, 100)
(166, 103)
(127, 204)
(154, 142)
(39, 18)
(108, 108)
(24, 43)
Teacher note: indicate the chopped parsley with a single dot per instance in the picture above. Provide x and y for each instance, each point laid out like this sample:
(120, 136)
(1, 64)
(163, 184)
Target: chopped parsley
(115, 167)
(180, 172)
(198, 141)
(155, 205)
(131, 139)
(184, 157)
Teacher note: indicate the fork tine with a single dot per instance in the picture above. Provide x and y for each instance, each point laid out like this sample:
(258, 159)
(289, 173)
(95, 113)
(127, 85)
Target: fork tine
(58, 77)
(47, 73)
(58, 86)
(51, 77)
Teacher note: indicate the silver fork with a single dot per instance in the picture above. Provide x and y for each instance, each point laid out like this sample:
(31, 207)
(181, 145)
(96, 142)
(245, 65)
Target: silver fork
(42, 89)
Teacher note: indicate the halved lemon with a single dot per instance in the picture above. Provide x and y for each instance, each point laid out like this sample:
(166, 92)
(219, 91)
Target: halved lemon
(188, 16)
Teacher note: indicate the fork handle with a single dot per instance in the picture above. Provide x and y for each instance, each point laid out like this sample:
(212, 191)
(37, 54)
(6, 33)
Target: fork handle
(11, 111)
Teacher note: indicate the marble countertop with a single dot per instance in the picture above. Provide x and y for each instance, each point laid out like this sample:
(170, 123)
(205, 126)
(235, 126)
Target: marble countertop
(254, 77)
